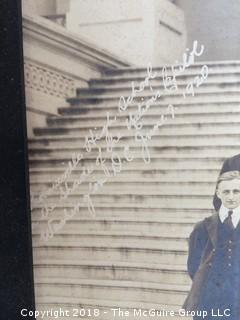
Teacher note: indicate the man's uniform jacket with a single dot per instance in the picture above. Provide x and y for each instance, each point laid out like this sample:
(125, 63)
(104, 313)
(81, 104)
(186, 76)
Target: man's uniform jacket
(216, 278)
(203, 238)
(202, 248)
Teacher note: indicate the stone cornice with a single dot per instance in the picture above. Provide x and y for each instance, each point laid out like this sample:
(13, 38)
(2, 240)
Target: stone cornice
(58, 37)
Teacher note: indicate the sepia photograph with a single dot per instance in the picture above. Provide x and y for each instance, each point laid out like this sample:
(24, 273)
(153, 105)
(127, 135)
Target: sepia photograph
(133, 135)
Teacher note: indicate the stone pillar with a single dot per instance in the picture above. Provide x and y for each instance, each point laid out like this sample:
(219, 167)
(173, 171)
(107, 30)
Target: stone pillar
(139, 31)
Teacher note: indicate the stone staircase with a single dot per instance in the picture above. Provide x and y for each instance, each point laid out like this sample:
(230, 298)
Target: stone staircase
(132, 253)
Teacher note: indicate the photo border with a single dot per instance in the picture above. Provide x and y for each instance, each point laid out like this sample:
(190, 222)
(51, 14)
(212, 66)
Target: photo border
(17, 289)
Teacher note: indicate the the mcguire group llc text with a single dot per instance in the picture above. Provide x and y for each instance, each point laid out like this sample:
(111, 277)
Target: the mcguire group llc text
(121, 313)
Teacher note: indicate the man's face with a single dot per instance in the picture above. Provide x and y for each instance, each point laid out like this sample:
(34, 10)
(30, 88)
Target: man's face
(229, 193)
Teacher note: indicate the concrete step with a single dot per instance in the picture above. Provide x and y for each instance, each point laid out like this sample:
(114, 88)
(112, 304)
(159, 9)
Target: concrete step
(177, 224)
(50, 176)
(74, 143)
(96, 121)
(54, 173)
(130, 214)
(147, 177)
(159, 254)
(41, 182)
(105, 270)
(118, 238)
(218, 67)
(182, 107)
(40, 150)
(122, 81)
(138, 164)
(227, 86)
(82, 227)
(202, 94)
(45, 181)
(148, 219)
(137, 201)
(147, 188)
(122, 290)
(181, 87)
(181, 127)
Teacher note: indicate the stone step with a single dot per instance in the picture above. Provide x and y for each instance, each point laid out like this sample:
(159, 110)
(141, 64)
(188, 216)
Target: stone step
(135, 189)
(105, 270)
(42, 182)
(186, 126)
(129, 199)
(138, 163)
(227, 93)
(50, 176)
(57, 172)
(219, 67)
(140, 188)
(120, 219)
(183, 79)
(142, 215)
(118, 238)
(122, 290)
(106, 307)
(186, 106)
(158, 84)
(164, 226)
(73, 143)
(97, 121)
(159, 254)
(80, 226)
(43, 151)
(136, 201)
(121, 129)
(182, 87)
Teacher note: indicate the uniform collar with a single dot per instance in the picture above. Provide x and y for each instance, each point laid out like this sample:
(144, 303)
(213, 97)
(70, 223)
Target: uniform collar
(223, 214)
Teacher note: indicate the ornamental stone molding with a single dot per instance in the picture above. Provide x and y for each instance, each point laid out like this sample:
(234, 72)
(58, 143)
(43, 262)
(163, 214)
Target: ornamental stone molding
(48, 81)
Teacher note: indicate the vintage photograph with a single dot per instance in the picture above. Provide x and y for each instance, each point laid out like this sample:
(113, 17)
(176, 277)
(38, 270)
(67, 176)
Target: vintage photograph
(133, 119)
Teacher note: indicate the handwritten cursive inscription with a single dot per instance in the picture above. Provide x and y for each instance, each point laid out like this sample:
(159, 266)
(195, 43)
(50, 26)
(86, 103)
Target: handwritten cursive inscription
(113, 150)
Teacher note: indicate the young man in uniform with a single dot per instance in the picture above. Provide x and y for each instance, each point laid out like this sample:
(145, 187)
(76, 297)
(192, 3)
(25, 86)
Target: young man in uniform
(214, 256)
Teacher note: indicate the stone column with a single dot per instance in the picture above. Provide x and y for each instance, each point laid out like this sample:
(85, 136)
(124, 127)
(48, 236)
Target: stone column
(139, 31)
